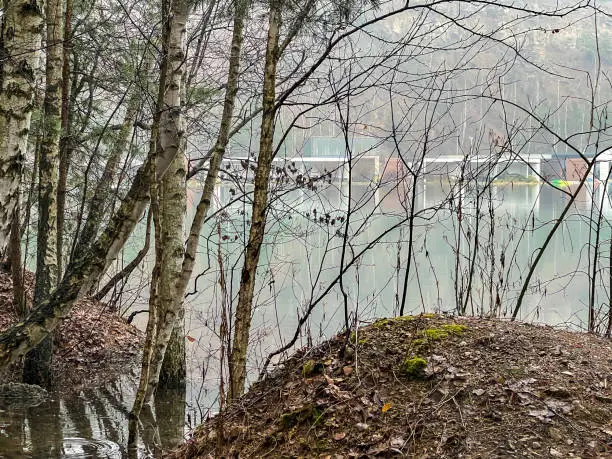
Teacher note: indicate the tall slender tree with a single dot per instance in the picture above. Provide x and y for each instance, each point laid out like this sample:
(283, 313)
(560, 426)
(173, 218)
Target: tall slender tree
(174, 361)
(20, 44)
(166, 142)
(37, 365)
(260, 201)
(65, 149)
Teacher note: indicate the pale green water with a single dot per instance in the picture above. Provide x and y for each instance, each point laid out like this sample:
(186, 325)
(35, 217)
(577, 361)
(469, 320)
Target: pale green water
(300, 259)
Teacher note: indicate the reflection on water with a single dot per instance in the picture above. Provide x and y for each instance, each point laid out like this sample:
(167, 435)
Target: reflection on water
(302, 250)
(300, 262)
(80, 447)
(90, 424)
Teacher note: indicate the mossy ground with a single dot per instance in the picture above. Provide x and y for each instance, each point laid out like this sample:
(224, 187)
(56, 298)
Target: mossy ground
(486, 388)
(413, 367)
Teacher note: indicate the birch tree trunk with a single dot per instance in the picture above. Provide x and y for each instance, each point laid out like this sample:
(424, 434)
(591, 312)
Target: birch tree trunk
(172, 211)
(260, 202)
(99, 203)
(169, 248)
(20, 40)
(37, 365)
(64, 141)
(173, 368)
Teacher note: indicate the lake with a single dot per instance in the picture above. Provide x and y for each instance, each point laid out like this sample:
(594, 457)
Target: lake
(300, 264)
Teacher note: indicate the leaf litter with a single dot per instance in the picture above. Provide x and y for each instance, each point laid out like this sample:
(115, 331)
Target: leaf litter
(91, 346)
(491, 389)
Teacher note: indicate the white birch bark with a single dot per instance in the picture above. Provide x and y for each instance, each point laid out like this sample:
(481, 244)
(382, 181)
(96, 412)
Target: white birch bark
(168, 145)
(22, 28)
(37, 364)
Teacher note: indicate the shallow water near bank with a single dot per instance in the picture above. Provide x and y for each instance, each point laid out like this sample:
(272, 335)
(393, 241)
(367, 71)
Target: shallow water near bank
(91, 423)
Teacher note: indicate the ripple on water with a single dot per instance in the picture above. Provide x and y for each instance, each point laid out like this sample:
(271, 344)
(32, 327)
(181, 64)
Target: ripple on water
(83, 448)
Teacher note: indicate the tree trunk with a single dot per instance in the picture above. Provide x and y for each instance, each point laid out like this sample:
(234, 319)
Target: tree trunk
(64, 142)
(173, 369)
(218, 150)
(37, 365)
(172, 209)
(168, 230)
(171, 418)
(260, 202)
(173, 372)
(14, 252)
(20, 44)
(99, 203)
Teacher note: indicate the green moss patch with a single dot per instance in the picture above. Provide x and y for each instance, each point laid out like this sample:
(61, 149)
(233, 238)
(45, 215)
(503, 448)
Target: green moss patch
(312, 368)
(414, 367)
(454, 329)
(435, 334)
(443, 332)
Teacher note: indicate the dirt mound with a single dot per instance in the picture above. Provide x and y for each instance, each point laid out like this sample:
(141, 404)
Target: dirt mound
(427, 386)
(90, 346)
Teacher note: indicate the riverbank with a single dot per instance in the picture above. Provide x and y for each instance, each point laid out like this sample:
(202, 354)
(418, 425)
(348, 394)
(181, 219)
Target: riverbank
(427, 386)
(92, 346)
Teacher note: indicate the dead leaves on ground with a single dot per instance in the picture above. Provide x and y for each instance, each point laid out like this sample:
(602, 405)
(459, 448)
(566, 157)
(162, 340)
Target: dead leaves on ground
(517, 390)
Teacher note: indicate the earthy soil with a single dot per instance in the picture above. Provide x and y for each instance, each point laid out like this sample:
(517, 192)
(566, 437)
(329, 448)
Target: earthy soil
(427, 387)
(91, 346)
